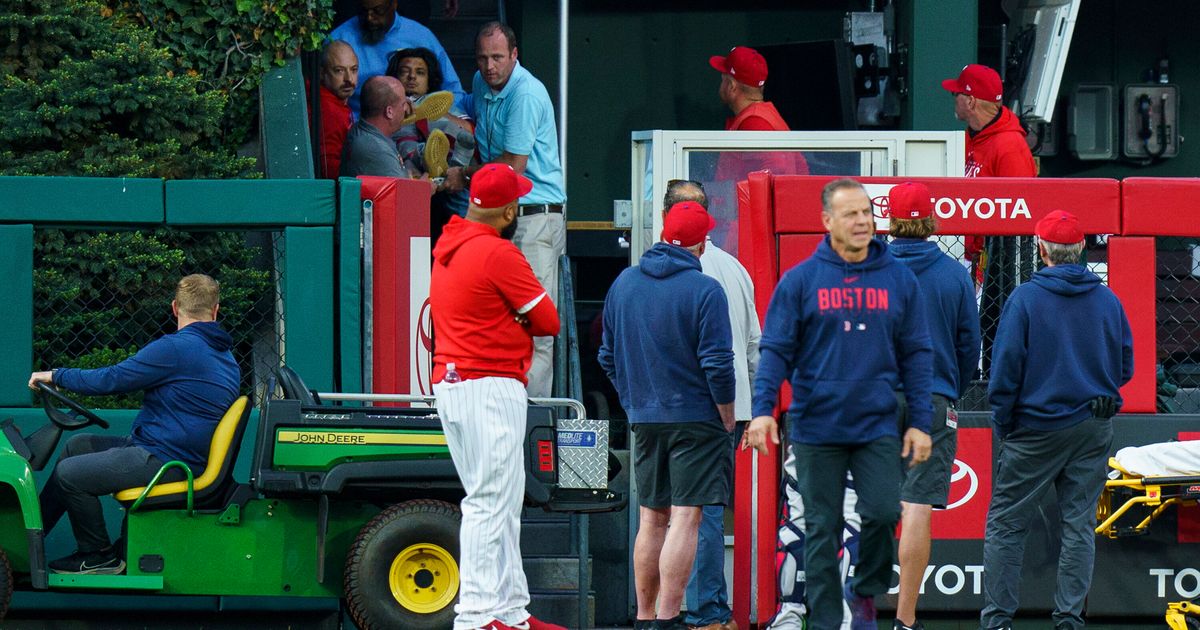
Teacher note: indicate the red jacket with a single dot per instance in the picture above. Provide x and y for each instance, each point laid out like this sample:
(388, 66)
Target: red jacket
(999, 150)
(336, 120)
(761, 116)
(479, 285)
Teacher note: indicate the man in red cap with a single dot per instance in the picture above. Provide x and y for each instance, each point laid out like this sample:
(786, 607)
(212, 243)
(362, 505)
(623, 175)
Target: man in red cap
(948, 297)
(1063, 350)
(743, 75)
(996, 144)
(668, 350)
(487, 307)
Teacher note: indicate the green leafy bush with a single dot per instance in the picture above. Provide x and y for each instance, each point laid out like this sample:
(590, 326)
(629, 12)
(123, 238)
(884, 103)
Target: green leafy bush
(86, 94)
(229, 46)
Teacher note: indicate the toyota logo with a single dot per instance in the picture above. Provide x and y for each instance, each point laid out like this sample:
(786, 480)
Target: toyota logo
(881, 207)
(963, 471)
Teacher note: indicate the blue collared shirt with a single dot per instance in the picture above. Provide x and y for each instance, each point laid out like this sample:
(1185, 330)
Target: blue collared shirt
(373, 58)
(519, 119)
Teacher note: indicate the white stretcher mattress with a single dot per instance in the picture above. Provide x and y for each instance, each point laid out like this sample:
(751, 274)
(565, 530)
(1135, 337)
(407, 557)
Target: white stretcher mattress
(1166, 459)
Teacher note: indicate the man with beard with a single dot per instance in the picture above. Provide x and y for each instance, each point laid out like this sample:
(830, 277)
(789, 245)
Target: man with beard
(487, 306)
(377, 31)
(339, 80)
(514, 124)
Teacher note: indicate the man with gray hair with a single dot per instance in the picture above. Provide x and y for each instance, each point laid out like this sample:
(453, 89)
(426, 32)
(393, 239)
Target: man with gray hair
(848, 328)
(707, 592)
(1063, 350)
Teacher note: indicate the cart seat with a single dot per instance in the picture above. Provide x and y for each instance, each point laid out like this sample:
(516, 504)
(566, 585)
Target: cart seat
(211, 486)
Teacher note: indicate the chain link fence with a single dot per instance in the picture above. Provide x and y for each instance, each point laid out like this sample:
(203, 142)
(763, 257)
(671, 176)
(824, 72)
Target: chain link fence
(998, 265)
(99, 296)
(1178, 331)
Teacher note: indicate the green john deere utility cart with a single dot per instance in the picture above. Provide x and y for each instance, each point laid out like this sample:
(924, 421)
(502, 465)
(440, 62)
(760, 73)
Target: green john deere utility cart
(356, 502)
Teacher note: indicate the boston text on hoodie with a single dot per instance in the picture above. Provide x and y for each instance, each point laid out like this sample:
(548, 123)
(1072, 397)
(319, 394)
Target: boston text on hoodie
(949, 298)
(849, 335)
(1063, 340)
(667, 346)
(190, 380)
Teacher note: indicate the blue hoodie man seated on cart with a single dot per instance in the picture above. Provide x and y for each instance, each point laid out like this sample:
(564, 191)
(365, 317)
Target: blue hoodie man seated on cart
(189, 377)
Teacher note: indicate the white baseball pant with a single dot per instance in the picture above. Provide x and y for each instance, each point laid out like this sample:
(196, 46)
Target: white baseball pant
(484, 421)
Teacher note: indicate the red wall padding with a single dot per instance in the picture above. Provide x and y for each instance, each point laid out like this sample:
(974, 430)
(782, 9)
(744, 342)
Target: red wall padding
(986, 206)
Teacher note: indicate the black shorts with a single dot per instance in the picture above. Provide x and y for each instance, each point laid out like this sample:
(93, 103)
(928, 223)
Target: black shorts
(928, 483)
(682, 463)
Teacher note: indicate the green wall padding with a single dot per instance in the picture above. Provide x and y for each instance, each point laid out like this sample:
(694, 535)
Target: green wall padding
(107, 200)
(16, 311)
(250, 202)
(942, 39)
(308, 300)
(349, 294)
(287, 150)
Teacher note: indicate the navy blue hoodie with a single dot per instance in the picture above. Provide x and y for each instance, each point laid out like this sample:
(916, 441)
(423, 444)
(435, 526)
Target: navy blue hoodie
(1063, 340)
(190, 379)
(950, 311)
(667, 344)
(849, 335)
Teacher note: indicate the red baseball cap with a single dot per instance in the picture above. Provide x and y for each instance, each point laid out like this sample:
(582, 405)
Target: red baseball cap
(743, 64)
(1059, 227)
(686, 224)
(910, 200)
(497, 185)
(979, 81)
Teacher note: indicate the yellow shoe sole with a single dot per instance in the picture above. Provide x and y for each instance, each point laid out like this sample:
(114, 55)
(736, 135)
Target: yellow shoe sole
(437, 149)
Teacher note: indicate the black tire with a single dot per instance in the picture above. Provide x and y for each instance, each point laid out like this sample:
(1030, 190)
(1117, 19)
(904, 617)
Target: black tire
(6, 584)
(380, 560)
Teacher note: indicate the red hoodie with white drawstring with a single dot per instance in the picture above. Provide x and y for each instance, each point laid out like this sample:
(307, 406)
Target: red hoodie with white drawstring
(481, 283)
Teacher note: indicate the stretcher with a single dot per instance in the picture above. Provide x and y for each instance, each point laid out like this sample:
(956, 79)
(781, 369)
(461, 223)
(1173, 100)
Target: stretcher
(1183, 616)
(1144, 482)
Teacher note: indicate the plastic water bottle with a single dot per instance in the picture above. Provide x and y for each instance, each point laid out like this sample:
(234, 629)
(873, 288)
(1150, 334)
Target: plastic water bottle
(451, 375)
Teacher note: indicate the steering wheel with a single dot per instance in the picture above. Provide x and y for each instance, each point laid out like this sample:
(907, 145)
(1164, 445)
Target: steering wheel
(78, 419)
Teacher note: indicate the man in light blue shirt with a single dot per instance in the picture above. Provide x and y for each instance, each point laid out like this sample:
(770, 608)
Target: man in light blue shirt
(514, 124)
(377, 31)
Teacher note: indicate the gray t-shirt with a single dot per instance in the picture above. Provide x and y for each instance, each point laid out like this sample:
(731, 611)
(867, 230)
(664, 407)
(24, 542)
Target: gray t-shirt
(368, 152)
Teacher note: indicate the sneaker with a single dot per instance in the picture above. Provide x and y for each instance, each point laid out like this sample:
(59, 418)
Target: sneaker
(728, 625)
(533, 623)
(437, 149)
(674, 623)
(899, 625)
(103, 562)
(432, 107)
(862, 610)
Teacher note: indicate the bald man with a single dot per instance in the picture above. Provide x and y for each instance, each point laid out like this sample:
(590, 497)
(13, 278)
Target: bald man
(369, 148)
(339, 79)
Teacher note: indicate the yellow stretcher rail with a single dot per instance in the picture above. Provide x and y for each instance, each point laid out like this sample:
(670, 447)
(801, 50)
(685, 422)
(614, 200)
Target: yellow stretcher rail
(1134, 492)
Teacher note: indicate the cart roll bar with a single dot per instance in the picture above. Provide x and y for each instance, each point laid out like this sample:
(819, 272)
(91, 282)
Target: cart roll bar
(150, 486)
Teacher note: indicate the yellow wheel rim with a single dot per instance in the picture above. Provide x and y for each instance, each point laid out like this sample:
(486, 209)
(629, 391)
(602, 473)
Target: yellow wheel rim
(424, 578)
